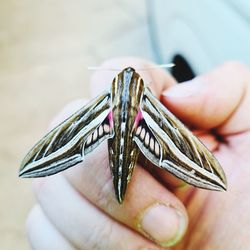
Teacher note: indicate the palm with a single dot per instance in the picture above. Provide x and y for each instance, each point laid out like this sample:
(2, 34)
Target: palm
(216, 218)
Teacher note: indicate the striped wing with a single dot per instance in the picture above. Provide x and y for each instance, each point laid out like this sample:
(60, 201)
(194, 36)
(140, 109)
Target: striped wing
(66, 145)
(167, 143)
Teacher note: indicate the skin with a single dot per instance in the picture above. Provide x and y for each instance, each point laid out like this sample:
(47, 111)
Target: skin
(77, 209)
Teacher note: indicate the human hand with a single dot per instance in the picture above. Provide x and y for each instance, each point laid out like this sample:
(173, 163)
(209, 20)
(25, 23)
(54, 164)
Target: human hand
(219, 104)
(78, 209)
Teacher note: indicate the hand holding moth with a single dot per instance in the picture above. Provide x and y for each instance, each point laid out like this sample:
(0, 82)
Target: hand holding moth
(93, 182)
(133, 120)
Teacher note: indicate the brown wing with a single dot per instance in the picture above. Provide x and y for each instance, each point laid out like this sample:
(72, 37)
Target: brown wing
(181, 153)
(66, 144)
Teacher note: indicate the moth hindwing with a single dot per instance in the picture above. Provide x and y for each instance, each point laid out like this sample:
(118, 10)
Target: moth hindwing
(131, 118)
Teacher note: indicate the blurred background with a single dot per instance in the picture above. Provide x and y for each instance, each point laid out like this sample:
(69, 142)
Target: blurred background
(46, 46)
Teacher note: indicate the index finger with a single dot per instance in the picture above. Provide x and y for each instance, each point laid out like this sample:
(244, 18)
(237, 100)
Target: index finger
(219, 99)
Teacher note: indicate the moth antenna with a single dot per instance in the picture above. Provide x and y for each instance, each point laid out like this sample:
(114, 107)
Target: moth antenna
(168, 65)
(165, 66)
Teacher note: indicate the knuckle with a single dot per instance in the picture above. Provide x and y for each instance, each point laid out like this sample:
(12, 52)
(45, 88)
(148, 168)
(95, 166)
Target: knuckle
(234, 65)
(106, 233)
(105, 197)
(238, 71)
(31, 219)
(101, 237)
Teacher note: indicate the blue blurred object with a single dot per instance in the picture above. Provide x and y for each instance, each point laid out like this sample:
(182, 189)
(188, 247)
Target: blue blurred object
(199, 34)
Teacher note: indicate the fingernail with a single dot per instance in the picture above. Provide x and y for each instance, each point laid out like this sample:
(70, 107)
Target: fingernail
(185, 89)
(163, 224)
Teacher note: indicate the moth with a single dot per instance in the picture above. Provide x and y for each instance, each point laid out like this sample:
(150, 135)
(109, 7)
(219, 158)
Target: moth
(132, 120)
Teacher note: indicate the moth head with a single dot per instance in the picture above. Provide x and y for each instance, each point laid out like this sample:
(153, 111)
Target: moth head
(129, 69)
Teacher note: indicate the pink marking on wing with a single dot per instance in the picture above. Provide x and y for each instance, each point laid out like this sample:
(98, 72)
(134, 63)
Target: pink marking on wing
(138, 118)
(110, 117)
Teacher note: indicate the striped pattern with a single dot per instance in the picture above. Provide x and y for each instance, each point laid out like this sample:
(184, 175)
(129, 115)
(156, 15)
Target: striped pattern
(62, 147)
(132, 120)
(102, 132)
(126, 93)
(181, 152)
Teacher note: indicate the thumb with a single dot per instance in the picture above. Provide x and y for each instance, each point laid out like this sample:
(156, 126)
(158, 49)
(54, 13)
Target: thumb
(213, 100)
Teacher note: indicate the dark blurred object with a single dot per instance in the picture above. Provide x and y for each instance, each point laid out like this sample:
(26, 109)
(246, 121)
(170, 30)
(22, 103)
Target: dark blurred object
(182, 71)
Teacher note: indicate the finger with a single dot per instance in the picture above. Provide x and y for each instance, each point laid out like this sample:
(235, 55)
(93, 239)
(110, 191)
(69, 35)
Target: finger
(157, 78)
(85, 226)
(132, 217)
(148, 206)
(210, 141)
(219, 99)
(169, 180)
(93, 180)
(42, 234)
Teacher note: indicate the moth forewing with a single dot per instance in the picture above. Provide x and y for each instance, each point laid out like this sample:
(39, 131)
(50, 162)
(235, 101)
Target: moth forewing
(182, 153)
(64, 145)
